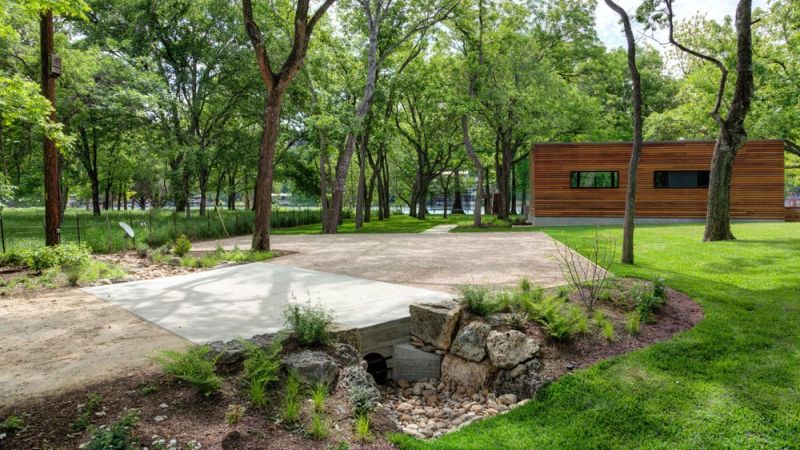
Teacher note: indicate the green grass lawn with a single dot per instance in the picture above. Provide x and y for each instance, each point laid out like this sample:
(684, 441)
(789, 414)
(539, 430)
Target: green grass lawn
(396, 223)
(731, 382)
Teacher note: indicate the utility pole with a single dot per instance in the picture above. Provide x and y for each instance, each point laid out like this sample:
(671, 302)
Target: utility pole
(51, 69)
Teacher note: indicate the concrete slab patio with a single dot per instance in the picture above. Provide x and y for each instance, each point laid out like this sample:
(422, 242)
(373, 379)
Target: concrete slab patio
(245, 300)
(442, 262)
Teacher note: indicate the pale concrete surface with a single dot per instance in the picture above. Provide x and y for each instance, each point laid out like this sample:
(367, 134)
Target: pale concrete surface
(249, 299)
(440, 229)
(442, 262)
(62, 339)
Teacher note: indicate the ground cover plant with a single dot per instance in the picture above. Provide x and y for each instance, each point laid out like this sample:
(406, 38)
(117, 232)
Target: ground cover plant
(731, 381)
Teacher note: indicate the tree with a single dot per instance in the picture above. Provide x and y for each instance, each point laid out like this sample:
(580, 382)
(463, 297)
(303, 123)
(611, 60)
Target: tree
(276, 84)
(731, 128)
(636, 150)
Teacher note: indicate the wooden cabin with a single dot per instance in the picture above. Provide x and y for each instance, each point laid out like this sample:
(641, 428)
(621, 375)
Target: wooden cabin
(585, 183)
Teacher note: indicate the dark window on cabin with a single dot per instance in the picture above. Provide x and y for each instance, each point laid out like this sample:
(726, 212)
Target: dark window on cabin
(594, 179)
(680, 179)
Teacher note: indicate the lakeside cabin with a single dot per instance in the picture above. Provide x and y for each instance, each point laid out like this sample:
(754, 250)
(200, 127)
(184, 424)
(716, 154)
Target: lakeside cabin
(585, 183)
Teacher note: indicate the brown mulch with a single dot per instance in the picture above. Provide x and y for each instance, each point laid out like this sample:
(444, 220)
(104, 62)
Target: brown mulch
(187, 416)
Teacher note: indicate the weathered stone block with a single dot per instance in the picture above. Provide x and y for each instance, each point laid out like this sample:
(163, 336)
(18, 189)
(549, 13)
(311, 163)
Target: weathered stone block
(522, 381)
(313, 367)
(411, 363)
(435, 323)
(510, 348)
(470, 342)
(469, 375)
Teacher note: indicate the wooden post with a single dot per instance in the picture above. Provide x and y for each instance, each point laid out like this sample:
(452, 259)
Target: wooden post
(52, 210)
(78, 226)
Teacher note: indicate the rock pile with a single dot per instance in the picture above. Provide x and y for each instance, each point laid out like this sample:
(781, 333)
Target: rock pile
(427, 409)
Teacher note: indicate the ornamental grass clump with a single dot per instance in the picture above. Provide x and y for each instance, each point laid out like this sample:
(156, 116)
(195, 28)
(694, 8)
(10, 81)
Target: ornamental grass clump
(261, 369)
(193, 367)
(310, 323)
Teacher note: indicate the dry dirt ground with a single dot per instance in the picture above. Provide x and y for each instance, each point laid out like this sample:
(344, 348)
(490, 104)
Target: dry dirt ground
(63, 339)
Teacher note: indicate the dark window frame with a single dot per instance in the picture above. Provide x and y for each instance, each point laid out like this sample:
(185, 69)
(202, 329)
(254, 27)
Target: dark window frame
(702, 179)
(614, 179)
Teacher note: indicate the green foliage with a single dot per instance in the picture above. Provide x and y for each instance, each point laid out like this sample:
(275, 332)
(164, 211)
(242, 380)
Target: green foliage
(310, 323)
(660, 289)
(524, 285)
(193, 367)
(318, 428)
(363, 400)
(87, 413)
(633, 322)
(647, 303)
(182, 245)
(12, 423)
(38, 258)
(362, 428)
(561, 320)
(261, 368)
(318, 397)
(479, 300)
(234, 414)
(119, 436)
(605, 325)
(291, 401)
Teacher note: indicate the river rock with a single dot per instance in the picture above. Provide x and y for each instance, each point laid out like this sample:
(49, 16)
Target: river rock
(510, 348)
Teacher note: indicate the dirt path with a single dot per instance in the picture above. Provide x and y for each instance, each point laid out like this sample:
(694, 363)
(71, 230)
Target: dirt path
(63, 339)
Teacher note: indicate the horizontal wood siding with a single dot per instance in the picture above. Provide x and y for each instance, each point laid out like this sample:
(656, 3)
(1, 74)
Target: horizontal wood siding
(792, 214)
(756, 189)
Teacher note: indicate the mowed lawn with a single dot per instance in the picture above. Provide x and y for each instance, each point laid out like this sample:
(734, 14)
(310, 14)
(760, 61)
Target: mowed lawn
(731, 382)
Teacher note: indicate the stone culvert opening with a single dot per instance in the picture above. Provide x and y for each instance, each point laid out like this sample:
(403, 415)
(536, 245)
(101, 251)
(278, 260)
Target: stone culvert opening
(378, 367)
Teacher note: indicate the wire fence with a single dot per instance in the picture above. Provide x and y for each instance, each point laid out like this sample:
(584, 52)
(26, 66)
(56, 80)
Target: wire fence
(25, 226)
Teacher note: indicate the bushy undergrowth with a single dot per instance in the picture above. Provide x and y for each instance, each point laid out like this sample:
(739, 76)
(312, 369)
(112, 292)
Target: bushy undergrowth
(182, 245)
(261, 368)
(310, 323)
(116, 437)
(40, 258)
(193, 367)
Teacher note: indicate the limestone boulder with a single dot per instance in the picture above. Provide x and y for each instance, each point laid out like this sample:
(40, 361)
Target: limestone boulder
(521, 382)
(460, 373)
(510, 348)
(435, 323)
(470, 342)
(359, 386)
(313, 367)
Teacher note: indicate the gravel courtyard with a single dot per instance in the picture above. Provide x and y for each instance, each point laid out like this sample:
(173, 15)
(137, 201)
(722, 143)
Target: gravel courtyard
(441, 262)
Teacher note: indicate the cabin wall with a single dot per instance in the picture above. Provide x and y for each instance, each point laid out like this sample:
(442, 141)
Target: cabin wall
(756, 187)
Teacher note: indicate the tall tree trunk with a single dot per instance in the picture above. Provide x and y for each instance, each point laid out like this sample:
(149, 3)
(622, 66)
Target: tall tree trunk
(487, 203)
(732, 134)
(458, 207)
(263, 189)
(636, 151)
(232, 189)
(52, 210)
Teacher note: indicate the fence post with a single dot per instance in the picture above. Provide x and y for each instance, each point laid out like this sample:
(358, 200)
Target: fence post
(108, 232)
(208, 223)
(78, 226)
(2, 232)
(175, 222)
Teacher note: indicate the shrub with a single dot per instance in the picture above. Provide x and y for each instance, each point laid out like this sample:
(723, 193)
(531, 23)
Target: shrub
(87, 413)
(587, 276)
(12, 423)
(362, 426)
(604, 324)
(363, 400)
(182, 245)
(39, 258)
(318, 429)
(647, 303)
(117, 437)
(234, 414)
(633, 322)
(261, 368)
(660, 289)
(560, 320)
(563, 291)
(318, 397)
(291, 402)
(479, 300)
(193, 367)
(525, 285)
(310, 323)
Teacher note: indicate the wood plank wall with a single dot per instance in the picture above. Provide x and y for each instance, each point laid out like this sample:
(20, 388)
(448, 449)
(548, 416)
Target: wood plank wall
(756, 189)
